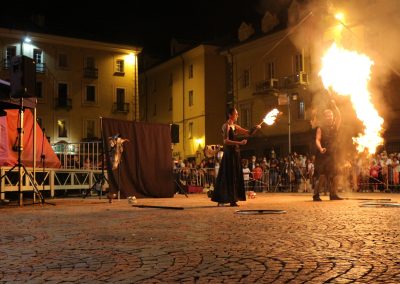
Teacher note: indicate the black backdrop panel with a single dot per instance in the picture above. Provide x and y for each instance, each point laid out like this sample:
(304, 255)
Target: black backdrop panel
(146, 166)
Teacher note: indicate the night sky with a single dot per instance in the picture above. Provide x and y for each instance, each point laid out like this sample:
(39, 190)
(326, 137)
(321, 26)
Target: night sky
(149, 24)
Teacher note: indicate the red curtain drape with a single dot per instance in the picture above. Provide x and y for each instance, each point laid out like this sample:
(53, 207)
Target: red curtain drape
(146, 165)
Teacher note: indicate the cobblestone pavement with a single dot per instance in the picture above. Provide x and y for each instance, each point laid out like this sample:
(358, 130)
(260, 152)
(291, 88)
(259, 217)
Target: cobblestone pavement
(92, 241)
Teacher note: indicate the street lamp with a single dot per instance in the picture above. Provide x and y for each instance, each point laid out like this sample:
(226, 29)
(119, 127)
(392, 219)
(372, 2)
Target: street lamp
(27, 40)
(285, 99)
(291, 97)
(131, 59)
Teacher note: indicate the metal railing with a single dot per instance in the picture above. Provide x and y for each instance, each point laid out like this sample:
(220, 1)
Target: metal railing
(266, 86)
(49, 180)
(40, 68)
(300, 78)
(61, 102)
(78, 156)
(90, 73)
(263, 181)
(120, 107)
(81, 168)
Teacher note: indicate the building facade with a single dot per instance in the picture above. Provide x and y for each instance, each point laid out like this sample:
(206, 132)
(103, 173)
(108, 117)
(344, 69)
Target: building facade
(271, 72)
(187, 90)
(77, 81)
(281, 66)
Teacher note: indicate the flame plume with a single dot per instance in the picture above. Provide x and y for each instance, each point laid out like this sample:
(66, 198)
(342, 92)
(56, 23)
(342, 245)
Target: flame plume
(348, 73)
(271, 117)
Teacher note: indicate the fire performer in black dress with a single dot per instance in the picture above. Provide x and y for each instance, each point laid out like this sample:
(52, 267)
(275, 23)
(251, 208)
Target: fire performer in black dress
(326, 151)
(229, 186)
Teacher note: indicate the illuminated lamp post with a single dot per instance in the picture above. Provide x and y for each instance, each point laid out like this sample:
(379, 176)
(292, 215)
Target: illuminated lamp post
(131, 59)
(286, 99)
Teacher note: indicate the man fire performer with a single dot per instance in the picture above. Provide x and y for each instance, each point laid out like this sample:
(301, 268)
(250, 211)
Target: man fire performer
(326, 151)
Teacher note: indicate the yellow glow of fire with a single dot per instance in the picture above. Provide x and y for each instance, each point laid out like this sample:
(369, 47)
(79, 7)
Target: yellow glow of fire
(270, 118)
(347, 73)
(339, 16)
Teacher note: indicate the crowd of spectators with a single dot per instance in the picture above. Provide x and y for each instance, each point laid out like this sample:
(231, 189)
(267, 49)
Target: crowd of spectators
(379, 172)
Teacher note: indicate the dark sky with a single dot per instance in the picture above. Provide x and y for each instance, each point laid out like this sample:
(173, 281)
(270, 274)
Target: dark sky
(150, 24)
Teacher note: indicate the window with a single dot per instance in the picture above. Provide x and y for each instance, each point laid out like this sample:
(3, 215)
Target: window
(270, 70)
(120, 99)
(190, 130)
(11, 51)
(62, 127)
(191, 98)
(38, 57)
(62, 94)
(245, 116)
(39, 90)
(120, 104)
(90, 70)
(120, 66)
(190, 71)
(90, 128)
(246, 78)
(298, 63)
(90, 62)
(62, 60)
(90, 94)
(302, 110)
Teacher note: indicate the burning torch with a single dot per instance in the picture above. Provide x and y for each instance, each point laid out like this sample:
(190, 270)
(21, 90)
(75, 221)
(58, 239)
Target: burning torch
(270, 117)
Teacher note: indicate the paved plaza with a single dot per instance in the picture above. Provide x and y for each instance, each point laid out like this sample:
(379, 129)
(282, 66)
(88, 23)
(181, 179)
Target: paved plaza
(92, 241)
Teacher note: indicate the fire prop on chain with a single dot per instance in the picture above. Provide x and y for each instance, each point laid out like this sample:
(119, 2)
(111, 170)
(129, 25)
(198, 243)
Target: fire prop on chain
(347, 73)
(271, 117)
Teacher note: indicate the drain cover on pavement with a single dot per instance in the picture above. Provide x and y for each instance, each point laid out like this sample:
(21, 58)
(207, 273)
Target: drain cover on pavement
(260, 211)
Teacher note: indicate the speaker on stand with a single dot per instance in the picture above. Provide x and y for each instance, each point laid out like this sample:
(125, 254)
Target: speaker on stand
(22, 77)
(175, 133)
(23, 85)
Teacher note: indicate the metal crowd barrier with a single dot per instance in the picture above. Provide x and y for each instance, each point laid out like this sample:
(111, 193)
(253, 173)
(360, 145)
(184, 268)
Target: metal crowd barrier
(82, 155)
(49, 180)
(204, 177)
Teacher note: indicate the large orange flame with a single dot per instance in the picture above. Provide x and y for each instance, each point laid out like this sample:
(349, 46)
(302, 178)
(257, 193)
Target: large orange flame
(347, 73)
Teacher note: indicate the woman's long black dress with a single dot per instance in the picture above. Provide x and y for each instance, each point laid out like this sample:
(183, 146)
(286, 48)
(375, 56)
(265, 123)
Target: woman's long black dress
(229, 187)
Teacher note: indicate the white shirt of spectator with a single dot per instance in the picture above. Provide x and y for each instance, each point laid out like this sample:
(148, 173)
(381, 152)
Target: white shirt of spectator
(246, 174)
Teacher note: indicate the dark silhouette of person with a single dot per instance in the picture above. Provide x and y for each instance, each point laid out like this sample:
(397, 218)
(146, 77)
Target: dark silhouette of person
(326, 148)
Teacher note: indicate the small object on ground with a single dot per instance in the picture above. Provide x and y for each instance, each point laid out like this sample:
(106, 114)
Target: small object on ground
(132, 199)
(251, 194)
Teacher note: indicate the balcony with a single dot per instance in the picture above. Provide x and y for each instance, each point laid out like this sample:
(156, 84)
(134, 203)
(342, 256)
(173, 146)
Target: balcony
(120, 74)
(89, 72)
(266, 86)
(295, 80)
(41, 68)
(301, 78)
(121, 107)
(63, 103)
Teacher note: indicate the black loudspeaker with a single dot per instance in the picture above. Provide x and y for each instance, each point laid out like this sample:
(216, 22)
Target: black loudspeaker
(174, 133)
(22, 77)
